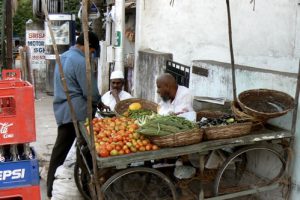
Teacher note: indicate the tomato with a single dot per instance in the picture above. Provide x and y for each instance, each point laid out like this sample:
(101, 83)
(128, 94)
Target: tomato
(118, 147)
(119, 138)
(145, 142)
(134, 126)
(142, 148)
(109, 147)
(136, 135)
(104, 153)
(154, 147)
(148, 147)
(127, 151)
(129, 144)
(114, 152)
(133, 149)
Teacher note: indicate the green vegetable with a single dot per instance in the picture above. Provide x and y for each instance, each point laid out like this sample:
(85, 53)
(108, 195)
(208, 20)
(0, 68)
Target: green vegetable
(230, 120)
(164, 125)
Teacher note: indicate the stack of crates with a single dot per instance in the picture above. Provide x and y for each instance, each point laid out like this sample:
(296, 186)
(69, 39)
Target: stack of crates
(19, 171)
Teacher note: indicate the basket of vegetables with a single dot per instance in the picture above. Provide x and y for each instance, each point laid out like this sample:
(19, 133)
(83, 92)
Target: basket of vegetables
(223, 126)
(171, 131)
(135, 107)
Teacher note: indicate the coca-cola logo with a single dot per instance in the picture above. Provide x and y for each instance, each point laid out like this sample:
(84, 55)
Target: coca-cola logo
(4, 130)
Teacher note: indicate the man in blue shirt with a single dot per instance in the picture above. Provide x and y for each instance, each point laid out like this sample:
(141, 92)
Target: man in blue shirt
(73, 63)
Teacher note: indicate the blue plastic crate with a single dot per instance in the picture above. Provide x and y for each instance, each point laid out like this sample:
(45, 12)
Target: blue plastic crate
(19, 173)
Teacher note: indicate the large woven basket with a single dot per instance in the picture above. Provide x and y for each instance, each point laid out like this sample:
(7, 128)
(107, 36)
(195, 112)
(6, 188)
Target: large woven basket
(192, 136)
(239, 114)
(123, 105)
(264, 104)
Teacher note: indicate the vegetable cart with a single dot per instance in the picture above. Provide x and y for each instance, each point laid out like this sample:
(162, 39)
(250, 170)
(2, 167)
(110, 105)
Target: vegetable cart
(152, 183)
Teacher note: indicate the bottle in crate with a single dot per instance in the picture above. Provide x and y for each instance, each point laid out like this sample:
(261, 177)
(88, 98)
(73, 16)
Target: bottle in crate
(27, 153)
(2, 154)
(14, 153)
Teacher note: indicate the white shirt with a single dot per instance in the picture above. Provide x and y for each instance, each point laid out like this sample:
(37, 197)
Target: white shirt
(183, 102)
(109, 100)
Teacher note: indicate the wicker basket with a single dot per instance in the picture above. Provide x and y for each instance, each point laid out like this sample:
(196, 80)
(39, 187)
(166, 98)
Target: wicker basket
(192, 136)
(223, 132)
(123, 105)
(228, 131)
(264, 104)
(240, 115)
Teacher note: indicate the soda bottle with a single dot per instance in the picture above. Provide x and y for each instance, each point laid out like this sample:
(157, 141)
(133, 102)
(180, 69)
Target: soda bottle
(27, 153)
(2, 154)
(14, 155)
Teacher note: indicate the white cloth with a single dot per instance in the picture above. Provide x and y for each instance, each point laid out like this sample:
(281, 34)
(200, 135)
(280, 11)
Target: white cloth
(110, 101)
(183, 102)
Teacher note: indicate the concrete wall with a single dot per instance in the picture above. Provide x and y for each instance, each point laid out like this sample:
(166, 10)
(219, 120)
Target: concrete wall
(150, 64)
(267, 37)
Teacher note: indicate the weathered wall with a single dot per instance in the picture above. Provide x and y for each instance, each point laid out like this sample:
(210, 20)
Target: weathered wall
(267, 37)
(150, 64)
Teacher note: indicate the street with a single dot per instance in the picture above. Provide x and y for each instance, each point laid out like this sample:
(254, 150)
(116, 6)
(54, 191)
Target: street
(45, 136)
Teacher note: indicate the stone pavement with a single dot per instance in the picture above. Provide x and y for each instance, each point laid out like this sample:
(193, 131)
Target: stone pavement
(45, 135)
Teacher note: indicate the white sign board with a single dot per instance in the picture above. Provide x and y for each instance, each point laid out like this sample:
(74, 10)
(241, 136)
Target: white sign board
(61, 34)
(35, 40)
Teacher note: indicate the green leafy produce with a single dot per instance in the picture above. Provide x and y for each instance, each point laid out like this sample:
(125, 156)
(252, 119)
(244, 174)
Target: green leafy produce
(135, 114)
(164, 125)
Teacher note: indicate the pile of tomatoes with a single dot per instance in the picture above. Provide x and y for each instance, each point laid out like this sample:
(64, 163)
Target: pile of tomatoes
(117, 136)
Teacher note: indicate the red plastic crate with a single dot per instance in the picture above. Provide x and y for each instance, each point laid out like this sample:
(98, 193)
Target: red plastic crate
(17, 118)
(24, 193)
(11, 74)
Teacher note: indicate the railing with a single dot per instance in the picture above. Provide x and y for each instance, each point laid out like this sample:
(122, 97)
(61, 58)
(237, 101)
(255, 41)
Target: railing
(179, 71)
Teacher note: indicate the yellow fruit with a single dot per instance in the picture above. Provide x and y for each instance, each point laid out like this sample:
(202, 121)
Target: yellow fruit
(135, 106)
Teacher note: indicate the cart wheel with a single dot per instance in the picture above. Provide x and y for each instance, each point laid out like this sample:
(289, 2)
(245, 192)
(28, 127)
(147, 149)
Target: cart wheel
(82, 179)
(248, 168)
(139, 183)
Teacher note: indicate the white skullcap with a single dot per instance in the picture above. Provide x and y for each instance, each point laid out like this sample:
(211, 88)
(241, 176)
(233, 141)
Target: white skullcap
(117, 75)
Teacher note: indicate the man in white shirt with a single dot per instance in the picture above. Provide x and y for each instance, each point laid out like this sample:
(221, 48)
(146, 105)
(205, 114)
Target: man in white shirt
(116, 94)
(176, 99)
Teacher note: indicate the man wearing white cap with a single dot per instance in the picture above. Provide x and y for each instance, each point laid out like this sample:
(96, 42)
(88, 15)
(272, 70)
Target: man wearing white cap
(116, 93)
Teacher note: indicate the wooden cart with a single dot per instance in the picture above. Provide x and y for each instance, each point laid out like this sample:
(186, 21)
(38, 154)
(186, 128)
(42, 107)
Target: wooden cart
(127, 181)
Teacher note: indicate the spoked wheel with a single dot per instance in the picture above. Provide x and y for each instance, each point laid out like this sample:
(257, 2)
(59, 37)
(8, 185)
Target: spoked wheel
(139, 183)
(248, 168)
(82, 179)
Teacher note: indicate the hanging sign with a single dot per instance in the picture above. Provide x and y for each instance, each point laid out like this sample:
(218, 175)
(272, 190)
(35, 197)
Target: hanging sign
(93, 12)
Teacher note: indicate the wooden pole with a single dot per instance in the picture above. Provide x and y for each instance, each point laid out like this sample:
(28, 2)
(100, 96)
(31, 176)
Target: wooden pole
(3, 45)
(231, 51)
(85, 7)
